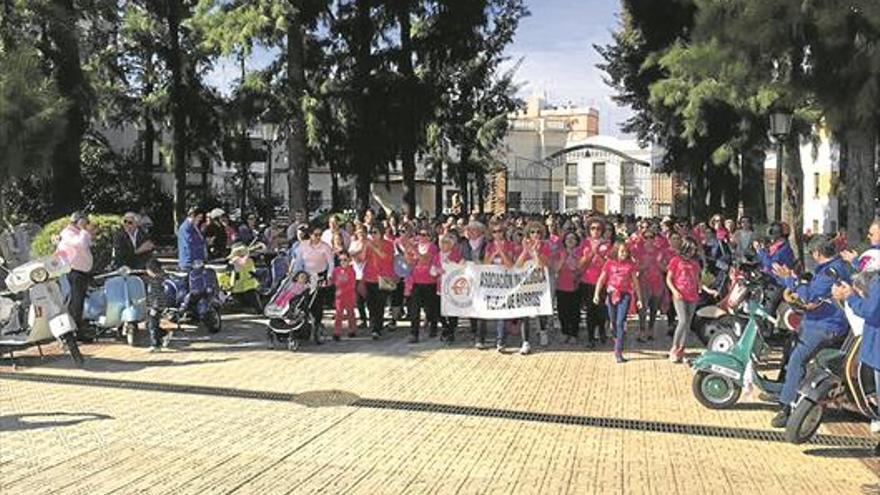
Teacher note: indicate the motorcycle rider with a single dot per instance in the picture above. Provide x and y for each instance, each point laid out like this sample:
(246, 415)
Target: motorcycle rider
(75, 246)
(822, 325)
(778, 252)
(190, 241)
(131, 245)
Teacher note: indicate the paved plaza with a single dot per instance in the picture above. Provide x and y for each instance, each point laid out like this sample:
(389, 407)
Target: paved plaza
(227, 415)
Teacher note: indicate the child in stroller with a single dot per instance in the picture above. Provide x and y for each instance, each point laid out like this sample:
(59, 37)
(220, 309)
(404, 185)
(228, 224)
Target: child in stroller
(289, 312)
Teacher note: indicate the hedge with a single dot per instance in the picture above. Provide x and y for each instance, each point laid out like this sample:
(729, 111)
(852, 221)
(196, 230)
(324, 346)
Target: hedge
(102, 246)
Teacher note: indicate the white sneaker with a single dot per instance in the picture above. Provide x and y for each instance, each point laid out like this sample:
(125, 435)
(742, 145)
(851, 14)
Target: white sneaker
(154, 349)
(525, 349)
(544, 338)
(166, 340)
(875, 426)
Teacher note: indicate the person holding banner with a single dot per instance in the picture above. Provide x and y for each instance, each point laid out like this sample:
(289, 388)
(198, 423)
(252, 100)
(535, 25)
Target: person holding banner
(534, 248)
(449, 253)
(500, 251)
(620, 273)
(594, 251)
(474, 249)
(568, 295)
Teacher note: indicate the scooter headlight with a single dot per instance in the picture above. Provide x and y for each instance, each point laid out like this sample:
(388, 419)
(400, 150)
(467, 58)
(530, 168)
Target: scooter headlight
(39, 275)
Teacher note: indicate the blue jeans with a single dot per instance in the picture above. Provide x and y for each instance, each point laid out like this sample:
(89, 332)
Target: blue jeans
(810, 340)
(617, 315)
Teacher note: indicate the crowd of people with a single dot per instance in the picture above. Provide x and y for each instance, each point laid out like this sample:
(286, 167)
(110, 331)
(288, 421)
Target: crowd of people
(380, 269)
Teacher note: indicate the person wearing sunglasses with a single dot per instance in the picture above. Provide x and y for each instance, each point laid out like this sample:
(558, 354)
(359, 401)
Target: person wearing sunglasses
(651, 260)
(131, 246)
(473, 248)
(424, 258)
(594, 252)
(534, 248)
(499, 251)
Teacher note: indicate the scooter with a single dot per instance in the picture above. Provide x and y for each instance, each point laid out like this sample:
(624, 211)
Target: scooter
(720, 376)
(720, 325)
(194, 297)
(838, 379)
(32, 309)
(119, 305)
(15, 243)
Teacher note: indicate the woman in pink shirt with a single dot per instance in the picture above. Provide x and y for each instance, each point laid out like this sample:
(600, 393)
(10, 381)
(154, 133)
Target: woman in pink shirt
(378, 266)
(424, 260)
(317, 260)
(620, 273)
(568, 297)
(534, 248)
(651, 260)
(683, 280)
(499, 251)
(594, 251)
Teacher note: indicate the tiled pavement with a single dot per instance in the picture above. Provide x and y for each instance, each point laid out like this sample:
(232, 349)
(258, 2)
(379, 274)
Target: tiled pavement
(403, 419)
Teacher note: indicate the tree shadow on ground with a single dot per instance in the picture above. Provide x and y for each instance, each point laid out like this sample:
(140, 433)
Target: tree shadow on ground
(20, 422)
(110, 365)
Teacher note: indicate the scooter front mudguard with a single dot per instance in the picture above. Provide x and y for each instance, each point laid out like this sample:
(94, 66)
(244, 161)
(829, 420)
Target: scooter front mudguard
(61, 325)
(134, 314)
(720, 363)
(817, 385)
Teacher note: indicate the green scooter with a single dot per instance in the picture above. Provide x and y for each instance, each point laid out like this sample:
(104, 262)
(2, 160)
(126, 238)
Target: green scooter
(721, 376)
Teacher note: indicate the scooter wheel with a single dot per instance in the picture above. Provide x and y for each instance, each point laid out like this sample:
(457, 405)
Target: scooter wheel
(69, 341)
(804, 421)
(212, 321)
(715, 391)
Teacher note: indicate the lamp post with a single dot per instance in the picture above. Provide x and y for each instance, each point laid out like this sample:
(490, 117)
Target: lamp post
(269, 135)
(780, 127)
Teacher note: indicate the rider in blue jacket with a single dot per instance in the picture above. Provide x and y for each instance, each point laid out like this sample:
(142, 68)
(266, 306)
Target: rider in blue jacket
(778, 252)
(821, 326)
(191, 245)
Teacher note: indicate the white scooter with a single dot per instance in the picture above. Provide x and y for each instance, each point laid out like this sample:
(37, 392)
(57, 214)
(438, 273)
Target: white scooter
(32, 310)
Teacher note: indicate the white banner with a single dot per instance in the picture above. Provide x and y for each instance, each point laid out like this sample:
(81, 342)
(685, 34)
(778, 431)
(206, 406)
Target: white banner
(494, 292)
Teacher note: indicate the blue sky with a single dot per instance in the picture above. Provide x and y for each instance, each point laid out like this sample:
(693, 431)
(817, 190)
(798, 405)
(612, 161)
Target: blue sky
(555, 45)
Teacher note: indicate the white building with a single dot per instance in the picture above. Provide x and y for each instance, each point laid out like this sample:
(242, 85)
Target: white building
(820, 161)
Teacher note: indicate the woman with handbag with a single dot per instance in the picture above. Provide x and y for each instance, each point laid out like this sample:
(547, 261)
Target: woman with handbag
(379, 276)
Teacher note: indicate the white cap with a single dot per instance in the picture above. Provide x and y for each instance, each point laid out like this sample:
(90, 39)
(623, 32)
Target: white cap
(216, 213)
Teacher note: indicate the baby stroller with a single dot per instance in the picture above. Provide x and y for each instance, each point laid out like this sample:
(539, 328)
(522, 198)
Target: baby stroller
(290, 315)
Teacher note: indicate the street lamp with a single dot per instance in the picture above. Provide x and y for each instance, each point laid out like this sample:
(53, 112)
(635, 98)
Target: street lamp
(270, 130)
(780, 127)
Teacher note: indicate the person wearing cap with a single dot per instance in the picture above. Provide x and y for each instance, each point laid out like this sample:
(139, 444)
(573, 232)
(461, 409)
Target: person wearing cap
(131, 246)
(75, 246)
(190, 241)
(215, 234)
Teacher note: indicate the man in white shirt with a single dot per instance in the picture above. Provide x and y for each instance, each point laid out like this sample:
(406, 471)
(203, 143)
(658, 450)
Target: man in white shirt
(75, 246)
(332, 229)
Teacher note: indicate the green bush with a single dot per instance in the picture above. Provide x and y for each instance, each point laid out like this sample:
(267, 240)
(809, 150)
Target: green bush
(102, 246)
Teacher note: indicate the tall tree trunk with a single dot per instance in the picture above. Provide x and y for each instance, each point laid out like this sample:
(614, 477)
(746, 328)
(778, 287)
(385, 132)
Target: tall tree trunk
(407, 153)
(178, 113)
(335, 200)
(861, 181)
(66, 182)
(793, 187)
(752, 193)
(6, 36)
(699, 190)
(363, 161)
(149, 138)
(298, 165)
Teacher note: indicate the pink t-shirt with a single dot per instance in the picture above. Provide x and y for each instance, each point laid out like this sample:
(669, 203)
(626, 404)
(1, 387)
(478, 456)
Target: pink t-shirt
(344, 280)
(316, 258)
(597, 251)
(494, 248)
(651, 262)
(685, 278)
(425, 269)
(569, 274)
(544, 251)
(376, 266)
(619, 277)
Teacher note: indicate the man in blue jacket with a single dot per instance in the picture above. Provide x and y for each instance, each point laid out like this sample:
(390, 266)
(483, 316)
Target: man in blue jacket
(190, 241)
(860, 262)
(821, 326)
(778, 252)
